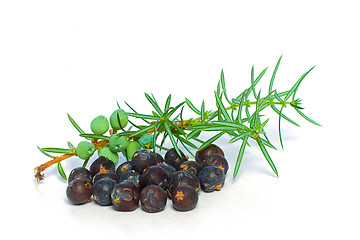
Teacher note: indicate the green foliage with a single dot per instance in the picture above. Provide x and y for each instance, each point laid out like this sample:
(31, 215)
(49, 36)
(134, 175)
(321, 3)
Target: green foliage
(242, 118)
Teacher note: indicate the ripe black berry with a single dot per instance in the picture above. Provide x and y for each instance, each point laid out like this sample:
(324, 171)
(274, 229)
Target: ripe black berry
(211, 178)
(102, 191)
(79, 191)
(125, 197)
(79, 172)
(153, 198)
(105, 174)
(130, 176)
(123, 167)
(217, 160)
(173, 158)
(101, 164)
(191, 167)
(183, 178)
(184, 198)
(154, 175)
(202, 154)
(142, 159)
(159, 158)
(168, 168)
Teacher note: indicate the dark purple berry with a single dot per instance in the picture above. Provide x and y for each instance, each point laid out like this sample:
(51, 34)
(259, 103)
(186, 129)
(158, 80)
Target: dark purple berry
(102, 191)
(173, 158)
(153, 199)
(130, 176)
(142, 159)
(154, 175)
(123, 167)
(211, 178)
(168, 168)
(191, 167)
(184, 198)
(202, 154)
(79, 191)
(183, 178)
(79, 172)
(105, 174)
(101, 164)
(159, 158)
(125, 197)
(217, 160)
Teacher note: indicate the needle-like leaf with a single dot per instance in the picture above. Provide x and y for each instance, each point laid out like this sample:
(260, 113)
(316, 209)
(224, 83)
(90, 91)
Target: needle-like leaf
(241, 136)
(167, 103)
(61, 171)
(45, 153)
(222, 107)
(94, 136)
(143, 116)
(307, 118)
(240, 156)
(202, 117)
(75, 124)
(58, 150)
(143, 130)
(297, 84)
(192, 107)
(154, 104)
(222, 80)
(267, 156)
(211, 140)
(172, 139)
(274, 74)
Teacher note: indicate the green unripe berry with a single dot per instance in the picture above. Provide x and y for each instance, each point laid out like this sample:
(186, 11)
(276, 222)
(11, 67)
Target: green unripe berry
(85, 150)
(118, 143)
(146, 141)
(133, 146)
(114, 120)
(99, 125)
(106, 152)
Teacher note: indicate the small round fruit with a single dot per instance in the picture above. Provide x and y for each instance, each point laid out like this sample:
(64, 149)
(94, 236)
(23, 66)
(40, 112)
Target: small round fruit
(202, 154)
(125, 197)
(217, 160)
(211, 178)
(184, 198)
(133, 146)
(101, 164)
(99, 125)
(102, 191)
(146, 141)
(106, 152)
(117, 115)
(159, 158)
(142, 159)
(168, 168)
(153, 199)
(79, 172)
(130, 176)
(118, 143)
(79, 191)
(183, 178)
(154, 175)
(191, 167)
(85, 150)
(123, 167)
(105, 174)
(173, 158)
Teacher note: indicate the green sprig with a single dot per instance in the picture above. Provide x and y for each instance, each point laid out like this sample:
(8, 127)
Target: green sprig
(242, 118)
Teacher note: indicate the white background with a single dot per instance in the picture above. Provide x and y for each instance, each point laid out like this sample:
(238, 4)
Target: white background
(80, 57)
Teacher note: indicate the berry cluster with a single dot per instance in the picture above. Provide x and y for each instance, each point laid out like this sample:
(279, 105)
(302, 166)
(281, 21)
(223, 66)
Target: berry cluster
(150, 179)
